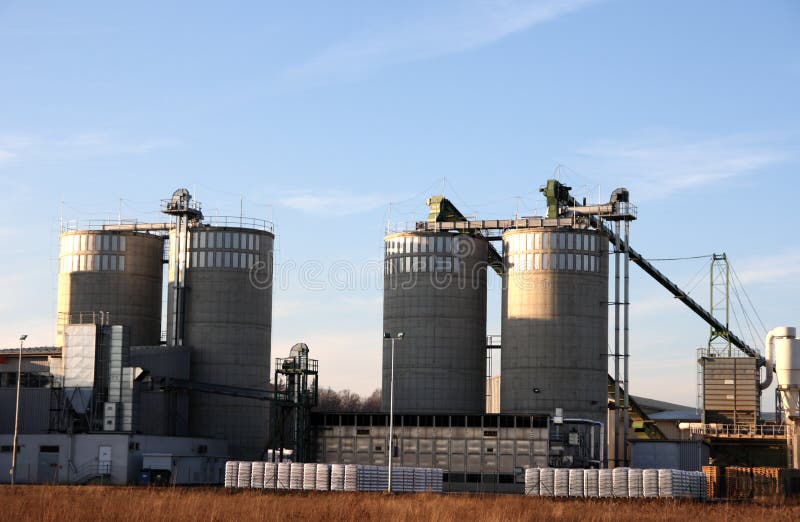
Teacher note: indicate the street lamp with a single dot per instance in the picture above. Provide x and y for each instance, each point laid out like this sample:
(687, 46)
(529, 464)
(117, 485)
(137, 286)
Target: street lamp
(13, 470)
(387, 335)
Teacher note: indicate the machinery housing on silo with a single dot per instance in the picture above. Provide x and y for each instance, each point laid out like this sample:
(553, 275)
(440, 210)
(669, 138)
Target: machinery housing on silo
(435, 294)
(111, 275)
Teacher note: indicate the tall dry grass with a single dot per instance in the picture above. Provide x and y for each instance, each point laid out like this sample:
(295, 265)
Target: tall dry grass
(88, 503)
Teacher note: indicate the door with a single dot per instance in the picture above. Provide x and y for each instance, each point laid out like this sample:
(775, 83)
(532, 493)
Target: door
(47, 466)
(104, 460)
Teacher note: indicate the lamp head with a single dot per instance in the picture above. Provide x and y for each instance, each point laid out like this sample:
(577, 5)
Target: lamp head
(387, 335)
(23, 337)
(400, 335)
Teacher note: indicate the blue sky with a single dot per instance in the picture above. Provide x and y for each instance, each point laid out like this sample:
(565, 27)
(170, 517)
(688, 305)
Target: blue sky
(321, 114)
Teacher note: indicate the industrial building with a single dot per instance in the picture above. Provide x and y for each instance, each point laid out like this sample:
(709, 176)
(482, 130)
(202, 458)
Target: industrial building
(163, 354)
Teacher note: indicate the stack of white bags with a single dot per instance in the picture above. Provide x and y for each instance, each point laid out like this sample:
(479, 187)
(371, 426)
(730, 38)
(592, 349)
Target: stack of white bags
(619, 482)
(331, 477)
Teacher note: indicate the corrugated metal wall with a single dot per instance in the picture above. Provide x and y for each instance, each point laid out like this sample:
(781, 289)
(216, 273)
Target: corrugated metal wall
(34, 410)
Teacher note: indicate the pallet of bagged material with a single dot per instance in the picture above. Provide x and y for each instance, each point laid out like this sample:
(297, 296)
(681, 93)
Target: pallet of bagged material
(739, 482)
(715, 481)
(765, 481)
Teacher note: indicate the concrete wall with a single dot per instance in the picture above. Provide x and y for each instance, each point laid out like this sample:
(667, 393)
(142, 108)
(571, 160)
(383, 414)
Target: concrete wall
(435, 293)
(555, 322)
(76, 456)
(478, 453)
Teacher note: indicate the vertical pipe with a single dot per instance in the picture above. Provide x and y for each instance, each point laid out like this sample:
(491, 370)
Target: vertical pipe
(391, 418)
(16, 416)
(617, 409)
(625, 344)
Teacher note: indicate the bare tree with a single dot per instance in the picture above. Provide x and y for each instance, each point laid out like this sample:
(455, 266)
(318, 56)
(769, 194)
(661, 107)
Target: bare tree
(346, 401)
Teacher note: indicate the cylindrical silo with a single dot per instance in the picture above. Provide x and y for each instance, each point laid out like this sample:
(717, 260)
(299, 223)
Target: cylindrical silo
(227, 321)
(118, 273)
(435, 294)
(555, 322)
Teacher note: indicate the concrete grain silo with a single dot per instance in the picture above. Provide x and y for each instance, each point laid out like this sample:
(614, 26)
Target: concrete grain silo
(220, 304)
(555, 322)
(116, 273)
(435, 294)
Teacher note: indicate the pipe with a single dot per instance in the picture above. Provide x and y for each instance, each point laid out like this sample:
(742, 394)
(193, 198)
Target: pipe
(770, 364)
(626, 351)
(602, 430)
(617, 392)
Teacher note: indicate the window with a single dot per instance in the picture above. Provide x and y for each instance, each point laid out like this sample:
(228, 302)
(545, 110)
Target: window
(546, 241)
(553, 262)
(250, 259)
(90, 242)
(106, 243)
(112, 263)
(227, 239)
(210, 240)
(570, 261)
(114, 243)
(440, 244)
(227, 254)
(218, 262)
(210, 260)
(235, 241)
(243, 258)
(592, 263)
(546, 262)
(562, 261)
(235, 257)
(105, 257)
(569, 241)
(257, 242)
(201, 256)
(121, 263)
(122, 243)
(202, 239)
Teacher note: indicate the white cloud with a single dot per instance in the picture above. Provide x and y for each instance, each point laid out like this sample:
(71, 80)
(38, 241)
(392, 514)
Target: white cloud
(332, 202)
(21, 147)
(779, 268)
(453, 29)
(656, 164)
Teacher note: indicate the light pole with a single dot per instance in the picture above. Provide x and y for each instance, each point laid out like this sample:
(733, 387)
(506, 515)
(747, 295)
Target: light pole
(387, 335)
(13, 469)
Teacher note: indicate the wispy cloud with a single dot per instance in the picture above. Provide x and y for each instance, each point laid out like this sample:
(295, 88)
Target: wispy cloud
(450, 29)
(332, 202)
(783, 268)
(657, 164)
(20, 147)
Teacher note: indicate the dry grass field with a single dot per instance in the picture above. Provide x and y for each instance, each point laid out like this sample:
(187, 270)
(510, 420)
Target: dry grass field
(88, 503)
